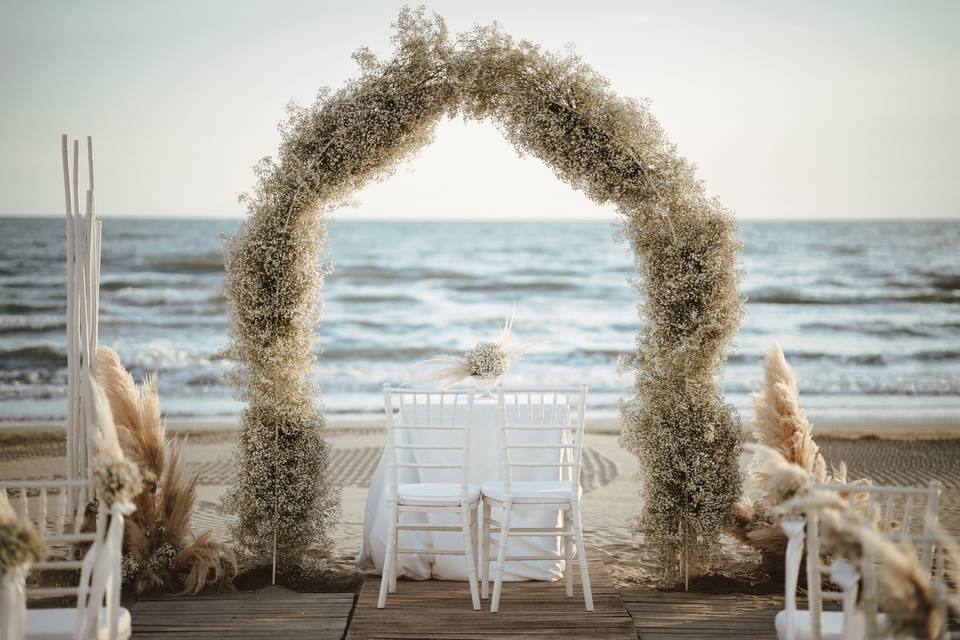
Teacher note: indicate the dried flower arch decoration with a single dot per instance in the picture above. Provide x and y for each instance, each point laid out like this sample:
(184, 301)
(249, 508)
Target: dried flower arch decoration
(555, 108)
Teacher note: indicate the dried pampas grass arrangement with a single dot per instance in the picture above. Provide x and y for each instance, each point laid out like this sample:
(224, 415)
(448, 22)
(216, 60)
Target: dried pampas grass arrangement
(118, 479)
(161, 553)
(780, 427)
(486, 362)
(20, 545)
(779, 422)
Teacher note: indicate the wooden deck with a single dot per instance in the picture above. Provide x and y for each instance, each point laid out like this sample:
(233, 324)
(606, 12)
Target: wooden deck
(670, 615)
(273, 613)
(432, 609)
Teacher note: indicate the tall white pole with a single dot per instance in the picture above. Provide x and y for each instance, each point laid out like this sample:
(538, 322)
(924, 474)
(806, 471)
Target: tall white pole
(72, 472)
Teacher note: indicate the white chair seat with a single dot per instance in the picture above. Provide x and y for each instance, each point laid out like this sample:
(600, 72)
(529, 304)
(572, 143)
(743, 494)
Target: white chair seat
(59, 624)
(433, 493)
(546, 491)
(831, 625)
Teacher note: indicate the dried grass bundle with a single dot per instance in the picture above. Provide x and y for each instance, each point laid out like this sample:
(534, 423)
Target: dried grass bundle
(118, 479)
(486, 362)
(161, 552)
(785, 442)
(19, 543)
(137, 408)
(779, 422)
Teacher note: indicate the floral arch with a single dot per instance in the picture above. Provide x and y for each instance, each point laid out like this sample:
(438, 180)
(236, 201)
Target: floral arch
(552, 107)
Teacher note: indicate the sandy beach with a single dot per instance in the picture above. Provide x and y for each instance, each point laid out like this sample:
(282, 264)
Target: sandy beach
(906, 454)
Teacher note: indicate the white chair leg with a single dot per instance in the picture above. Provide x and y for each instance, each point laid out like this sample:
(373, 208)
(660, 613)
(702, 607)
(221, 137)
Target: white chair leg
(582, 554)
(468, 547)
(501, 557)
(485, 551)
(389, 565)
(396, 561)
(567, 549)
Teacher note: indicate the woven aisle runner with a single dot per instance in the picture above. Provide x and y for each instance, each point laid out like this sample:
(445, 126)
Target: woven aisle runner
(273, 613)
(432, 609)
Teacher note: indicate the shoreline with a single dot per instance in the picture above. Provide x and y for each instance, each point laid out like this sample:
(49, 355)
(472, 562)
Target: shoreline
(840, 429)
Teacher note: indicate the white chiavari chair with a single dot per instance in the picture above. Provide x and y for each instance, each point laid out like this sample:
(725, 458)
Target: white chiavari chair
(428, 444)
(815, 623)
(896, 511)
(540, 432)
(67, 534)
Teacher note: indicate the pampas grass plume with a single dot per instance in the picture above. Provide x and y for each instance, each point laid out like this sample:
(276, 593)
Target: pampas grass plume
(780, 423)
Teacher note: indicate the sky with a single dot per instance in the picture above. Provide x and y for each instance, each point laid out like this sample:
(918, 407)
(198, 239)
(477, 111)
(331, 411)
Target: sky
(815, 109)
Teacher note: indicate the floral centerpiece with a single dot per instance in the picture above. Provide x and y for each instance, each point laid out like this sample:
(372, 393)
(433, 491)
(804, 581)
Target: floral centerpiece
(486, 363)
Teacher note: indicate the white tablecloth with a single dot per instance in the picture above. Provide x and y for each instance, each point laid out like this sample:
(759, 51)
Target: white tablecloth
(484, 465)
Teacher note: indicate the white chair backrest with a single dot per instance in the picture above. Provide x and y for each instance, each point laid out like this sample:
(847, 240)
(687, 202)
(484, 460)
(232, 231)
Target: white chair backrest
(45, 503)
(805, 532)
(896, 509)
(428, 433)
(534, 421)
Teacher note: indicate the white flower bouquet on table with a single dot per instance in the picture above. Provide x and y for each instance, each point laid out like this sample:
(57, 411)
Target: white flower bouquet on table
(486, 363)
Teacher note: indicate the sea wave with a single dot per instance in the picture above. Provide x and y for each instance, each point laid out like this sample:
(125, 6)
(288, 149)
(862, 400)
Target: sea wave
(500, 286)
(776, 295)
(881, 329)
(199, 263)
(33, 357)
(384, 353)
(367, 272)
(372, 298)
(31, 324)
(28, 307)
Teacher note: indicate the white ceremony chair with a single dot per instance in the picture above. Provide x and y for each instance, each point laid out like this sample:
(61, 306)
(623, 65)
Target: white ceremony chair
(97, 613)
(445, 416)
(532, 420)
(897, 511)
(814, 623)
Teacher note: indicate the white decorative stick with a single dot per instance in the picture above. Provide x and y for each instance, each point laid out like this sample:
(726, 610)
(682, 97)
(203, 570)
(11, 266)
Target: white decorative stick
(72, 473)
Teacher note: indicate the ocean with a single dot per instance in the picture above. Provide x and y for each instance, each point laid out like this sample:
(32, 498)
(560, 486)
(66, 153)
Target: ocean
(868, 312)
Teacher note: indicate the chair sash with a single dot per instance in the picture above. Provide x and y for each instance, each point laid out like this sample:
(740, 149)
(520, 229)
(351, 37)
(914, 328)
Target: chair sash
(100, 580)
(13, 603)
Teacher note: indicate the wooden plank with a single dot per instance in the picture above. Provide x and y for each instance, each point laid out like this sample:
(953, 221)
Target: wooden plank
(273, 613)
(671, 615)
(436, 609)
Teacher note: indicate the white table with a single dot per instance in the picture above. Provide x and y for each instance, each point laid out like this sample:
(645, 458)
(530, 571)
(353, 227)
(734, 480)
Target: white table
(484, 465)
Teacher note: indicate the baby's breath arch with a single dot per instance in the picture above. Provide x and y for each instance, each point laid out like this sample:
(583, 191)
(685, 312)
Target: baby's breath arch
(552, 107)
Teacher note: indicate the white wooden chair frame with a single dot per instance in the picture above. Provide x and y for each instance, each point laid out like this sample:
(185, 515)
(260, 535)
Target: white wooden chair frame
(885, 497)
(841, 573)
(98, 590)
(896, 505)
(570, 454)
(941, 588)
(464, 505)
